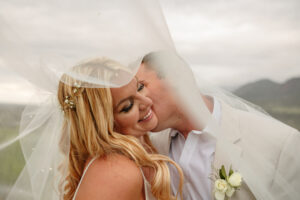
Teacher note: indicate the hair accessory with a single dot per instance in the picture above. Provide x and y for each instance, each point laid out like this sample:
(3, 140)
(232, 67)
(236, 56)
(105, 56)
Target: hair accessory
(69, 100)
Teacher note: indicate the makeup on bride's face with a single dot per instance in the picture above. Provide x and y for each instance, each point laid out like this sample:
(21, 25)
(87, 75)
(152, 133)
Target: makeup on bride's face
(164, 104)
(133, 109)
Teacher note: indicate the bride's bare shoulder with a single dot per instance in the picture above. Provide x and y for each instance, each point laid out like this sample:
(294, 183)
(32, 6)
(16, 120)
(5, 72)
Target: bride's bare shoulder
(111, 177)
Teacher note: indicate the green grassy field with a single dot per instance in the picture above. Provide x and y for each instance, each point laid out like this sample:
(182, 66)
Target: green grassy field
(12, 160)
(288, 115)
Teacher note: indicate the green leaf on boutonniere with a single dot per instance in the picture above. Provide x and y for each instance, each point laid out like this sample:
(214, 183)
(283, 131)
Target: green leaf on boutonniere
(222, 173)
(230, 171)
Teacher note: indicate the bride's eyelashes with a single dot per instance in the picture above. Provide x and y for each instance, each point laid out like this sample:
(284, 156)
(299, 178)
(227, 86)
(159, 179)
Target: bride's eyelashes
(127, 108)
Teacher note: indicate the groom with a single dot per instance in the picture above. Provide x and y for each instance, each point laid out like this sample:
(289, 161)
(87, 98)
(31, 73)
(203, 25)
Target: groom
(198, 153)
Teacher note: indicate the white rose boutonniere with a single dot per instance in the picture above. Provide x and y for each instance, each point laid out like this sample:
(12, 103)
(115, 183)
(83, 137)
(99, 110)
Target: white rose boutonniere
(221, 186)
(226, 184)
(230, 191)
(235, 179)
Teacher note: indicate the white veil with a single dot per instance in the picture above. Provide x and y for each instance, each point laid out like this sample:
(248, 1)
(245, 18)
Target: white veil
(43, 40)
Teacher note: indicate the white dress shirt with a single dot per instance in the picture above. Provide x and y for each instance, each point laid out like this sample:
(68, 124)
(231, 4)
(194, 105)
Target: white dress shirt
(195, 156)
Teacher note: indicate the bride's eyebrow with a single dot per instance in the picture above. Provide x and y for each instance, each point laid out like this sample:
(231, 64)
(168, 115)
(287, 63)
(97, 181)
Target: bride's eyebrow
(123, 100)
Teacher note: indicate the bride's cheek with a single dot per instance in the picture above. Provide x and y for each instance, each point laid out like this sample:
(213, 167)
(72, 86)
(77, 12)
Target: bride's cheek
(127, 120)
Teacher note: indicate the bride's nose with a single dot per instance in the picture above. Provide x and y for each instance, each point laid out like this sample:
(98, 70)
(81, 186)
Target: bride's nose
(144, 102)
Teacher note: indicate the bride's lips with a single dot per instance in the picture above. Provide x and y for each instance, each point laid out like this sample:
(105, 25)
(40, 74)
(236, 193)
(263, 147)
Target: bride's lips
(147, 117)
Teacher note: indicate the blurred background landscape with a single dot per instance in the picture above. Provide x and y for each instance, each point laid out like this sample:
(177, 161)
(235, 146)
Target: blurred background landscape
(249, 47)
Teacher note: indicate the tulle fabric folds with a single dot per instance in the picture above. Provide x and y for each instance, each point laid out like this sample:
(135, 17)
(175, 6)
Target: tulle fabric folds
(42, 40)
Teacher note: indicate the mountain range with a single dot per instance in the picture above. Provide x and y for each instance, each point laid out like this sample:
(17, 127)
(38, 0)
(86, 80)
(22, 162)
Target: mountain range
(266, 92)
(281, 100)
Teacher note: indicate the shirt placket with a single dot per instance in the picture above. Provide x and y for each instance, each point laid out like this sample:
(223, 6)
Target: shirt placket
(186, 157)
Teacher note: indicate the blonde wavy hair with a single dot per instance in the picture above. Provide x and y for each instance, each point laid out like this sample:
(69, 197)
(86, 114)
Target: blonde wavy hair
(90, 129)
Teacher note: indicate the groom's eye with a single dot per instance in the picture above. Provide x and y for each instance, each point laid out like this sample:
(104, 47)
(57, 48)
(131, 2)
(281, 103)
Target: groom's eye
(140, 86)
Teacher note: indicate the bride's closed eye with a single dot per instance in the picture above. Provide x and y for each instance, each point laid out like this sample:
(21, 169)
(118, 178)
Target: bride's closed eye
(127, 107)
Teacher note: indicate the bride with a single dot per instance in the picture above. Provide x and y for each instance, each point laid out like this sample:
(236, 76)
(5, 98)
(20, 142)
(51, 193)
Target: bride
(110, 154)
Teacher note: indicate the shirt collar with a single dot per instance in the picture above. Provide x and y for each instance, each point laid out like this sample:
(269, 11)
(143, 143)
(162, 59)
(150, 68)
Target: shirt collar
(216, 114)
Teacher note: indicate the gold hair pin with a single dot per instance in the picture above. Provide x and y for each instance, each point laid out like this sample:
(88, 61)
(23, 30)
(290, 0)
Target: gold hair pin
(69, 100)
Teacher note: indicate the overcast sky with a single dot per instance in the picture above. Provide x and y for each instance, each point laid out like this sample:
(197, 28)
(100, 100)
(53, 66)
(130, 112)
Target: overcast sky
(233, 42)
(246, 40)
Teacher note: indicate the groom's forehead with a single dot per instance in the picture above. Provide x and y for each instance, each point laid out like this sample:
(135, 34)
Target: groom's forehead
(149, 71)
(146, 74)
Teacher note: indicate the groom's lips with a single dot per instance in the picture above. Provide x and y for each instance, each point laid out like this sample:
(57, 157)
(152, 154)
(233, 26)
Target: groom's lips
(147, 117)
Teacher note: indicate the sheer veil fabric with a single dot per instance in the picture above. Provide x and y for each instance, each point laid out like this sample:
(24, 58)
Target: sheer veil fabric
(42, 40)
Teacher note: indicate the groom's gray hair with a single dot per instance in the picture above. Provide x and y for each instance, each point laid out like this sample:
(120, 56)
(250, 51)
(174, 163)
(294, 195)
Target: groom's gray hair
(151, 63)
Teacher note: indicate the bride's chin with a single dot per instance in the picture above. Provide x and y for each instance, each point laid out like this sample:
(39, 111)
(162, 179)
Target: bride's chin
(154, 128)
(158, 127)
